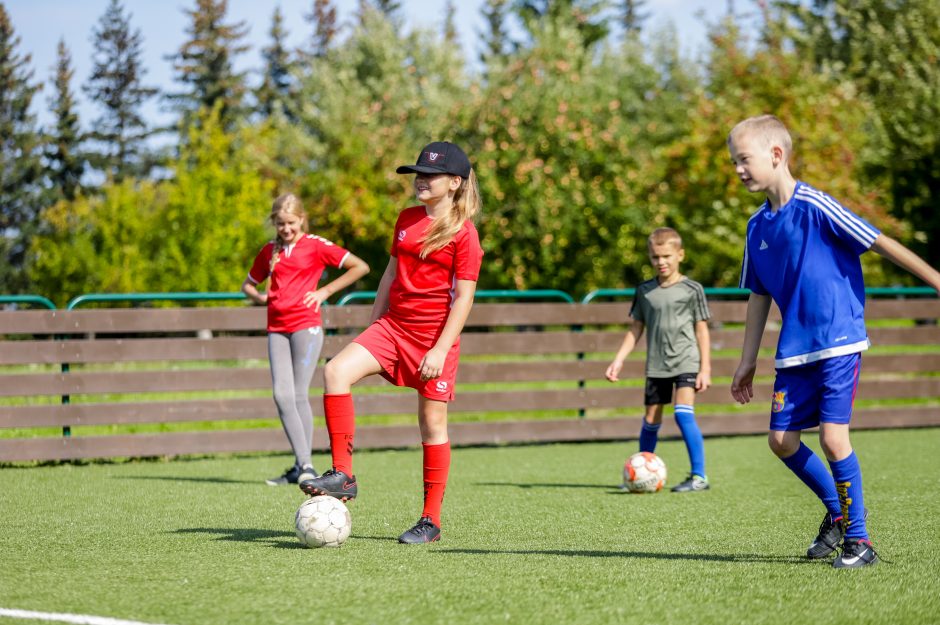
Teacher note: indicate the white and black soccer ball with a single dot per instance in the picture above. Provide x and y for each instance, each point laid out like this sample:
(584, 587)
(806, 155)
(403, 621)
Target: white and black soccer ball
(644, 472)
(322, 521)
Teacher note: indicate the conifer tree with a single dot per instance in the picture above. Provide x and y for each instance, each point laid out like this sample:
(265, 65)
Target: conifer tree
(632, 17)
(20, 166)
(274, 92)
(66, 164)
(204, 65)
(585, 15)
(115, 84)
(450, 26)
(390, 8)
(495, 38)
(323, 20)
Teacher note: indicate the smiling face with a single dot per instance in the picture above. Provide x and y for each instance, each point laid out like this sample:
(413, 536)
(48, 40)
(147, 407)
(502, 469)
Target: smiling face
(665, 258)
(430, 189)
(290, 227)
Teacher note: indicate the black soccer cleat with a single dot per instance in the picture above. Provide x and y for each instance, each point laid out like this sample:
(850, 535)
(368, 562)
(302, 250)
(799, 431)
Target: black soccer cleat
(307, 473)
(424, 531)
(831, 531)
(289, 476)
(333, 483)
(856, 553)
(693, 483)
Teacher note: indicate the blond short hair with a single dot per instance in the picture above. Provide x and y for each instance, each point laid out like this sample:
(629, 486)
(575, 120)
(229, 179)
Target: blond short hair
(661, 236)
(768, 129)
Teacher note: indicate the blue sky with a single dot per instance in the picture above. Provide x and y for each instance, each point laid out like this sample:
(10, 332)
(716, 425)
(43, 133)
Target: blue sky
(41, 23)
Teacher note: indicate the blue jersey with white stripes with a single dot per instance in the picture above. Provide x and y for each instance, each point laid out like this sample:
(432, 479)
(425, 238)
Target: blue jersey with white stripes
(806, 257)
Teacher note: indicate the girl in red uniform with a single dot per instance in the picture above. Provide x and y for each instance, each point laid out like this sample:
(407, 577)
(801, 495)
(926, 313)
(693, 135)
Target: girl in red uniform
(421, 305)
(294, 261)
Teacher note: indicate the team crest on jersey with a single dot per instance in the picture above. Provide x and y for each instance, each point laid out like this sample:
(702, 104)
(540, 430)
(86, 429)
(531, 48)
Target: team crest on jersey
(401, 235)
(780, 400)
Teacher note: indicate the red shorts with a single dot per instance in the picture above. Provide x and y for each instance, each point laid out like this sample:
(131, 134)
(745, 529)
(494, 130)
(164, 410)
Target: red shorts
(400, 349)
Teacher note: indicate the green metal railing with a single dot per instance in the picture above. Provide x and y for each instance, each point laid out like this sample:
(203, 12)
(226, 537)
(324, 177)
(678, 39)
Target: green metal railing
(546, 294)
(151, 297)
(27, 299)
(357, 296)
(709, 291)
(875, 291)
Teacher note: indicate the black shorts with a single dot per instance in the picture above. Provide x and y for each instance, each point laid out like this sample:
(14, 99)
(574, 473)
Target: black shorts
(659, 390)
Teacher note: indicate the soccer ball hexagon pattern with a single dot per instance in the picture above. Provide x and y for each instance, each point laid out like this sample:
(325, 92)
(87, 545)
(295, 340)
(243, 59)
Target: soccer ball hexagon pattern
(644, 472)
(322, 521)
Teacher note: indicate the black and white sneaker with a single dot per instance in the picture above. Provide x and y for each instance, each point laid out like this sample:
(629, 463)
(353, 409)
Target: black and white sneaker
(692, 484)
(289, 477)
(307, 473)
(333, 483)
(831, 531)
(856, 553)
(424, 531)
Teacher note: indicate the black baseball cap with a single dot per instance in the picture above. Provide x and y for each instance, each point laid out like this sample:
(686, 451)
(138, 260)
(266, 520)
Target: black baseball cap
(440, 157)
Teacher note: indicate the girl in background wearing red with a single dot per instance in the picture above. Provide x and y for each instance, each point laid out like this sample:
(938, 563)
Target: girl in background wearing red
(294, 262)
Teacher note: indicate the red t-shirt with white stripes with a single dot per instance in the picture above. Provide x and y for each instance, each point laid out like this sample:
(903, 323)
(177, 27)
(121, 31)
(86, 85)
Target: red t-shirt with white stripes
(423, 289)
(297, 271)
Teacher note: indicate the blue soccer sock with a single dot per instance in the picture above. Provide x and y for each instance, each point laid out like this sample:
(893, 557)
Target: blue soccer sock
(809, 468)
(848, 479)
(692, 435)
(649, 436)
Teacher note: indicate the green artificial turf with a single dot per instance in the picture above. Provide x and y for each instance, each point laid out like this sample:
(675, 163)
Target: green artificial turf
(532, 534)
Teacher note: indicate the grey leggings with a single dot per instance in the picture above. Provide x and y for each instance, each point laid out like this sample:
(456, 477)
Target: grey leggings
(293, 359)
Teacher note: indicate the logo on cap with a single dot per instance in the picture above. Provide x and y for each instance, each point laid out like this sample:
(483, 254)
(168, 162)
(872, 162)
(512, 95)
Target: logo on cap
(432, 156)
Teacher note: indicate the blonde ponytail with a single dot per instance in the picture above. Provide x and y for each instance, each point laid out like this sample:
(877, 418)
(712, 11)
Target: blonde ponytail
(467, 206)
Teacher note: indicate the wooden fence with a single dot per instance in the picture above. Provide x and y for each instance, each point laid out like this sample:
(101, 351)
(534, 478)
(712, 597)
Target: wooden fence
(529, 372)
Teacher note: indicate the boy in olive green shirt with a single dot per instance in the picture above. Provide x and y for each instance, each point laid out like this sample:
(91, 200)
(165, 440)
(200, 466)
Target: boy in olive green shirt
(675, 313)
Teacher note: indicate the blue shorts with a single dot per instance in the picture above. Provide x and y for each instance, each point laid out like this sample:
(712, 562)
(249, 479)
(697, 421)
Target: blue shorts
(819, 392)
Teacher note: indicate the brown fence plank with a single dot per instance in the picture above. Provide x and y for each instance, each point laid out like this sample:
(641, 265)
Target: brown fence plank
(523, 400)
(255, 347)
(372, 437)
(80, 382)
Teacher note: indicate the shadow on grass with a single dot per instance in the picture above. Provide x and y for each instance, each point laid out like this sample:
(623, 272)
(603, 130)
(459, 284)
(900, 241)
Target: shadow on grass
(172, 478)
(609, 487)
(278, 539)
(274, 538)
(742, 558)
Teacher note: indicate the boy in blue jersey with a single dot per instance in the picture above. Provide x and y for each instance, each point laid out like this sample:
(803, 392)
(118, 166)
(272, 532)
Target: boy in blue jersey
(802, 250)
(673, 310)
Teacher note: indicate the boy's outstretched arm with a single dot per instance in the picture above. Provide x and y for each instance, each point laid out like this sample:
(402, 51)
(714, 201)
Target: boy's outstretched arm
(629, 342)
(907, 260)
(742, 386)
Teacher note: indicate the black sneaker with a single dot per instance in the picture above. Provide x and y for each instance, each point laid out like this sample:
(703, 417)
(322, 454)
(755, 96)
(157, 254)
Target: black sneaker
(856, 553)
(831, 531)
(307, 473)
(692, 483)
(289, 477)
(333, 483)
(830, 535)
(424, 531)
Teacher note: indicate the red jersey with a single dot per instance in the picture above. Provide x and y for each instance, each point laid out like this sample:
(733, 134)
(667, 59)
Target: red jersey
(423, 289)
(297, 271)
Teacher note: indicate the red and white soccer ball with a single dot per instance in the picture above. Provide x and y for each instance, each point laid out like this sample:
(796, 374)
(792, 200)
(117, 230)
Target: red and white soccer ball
(644, 472)
(322, 521)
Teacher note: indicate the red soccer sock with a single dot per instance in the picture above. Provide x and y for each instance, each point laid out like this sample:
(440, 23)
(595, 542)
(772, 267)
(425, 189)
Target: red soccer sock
(341, 424)
(436, 467)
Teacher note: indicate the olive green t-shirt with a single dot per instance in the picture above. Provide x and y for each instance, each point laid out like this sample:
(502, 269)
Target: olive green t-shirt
(669, 315)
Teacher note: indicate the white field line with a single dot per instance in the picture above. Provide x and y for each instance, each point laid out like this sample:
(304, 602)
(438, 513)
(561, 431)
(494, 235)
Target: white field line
(60, 617)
